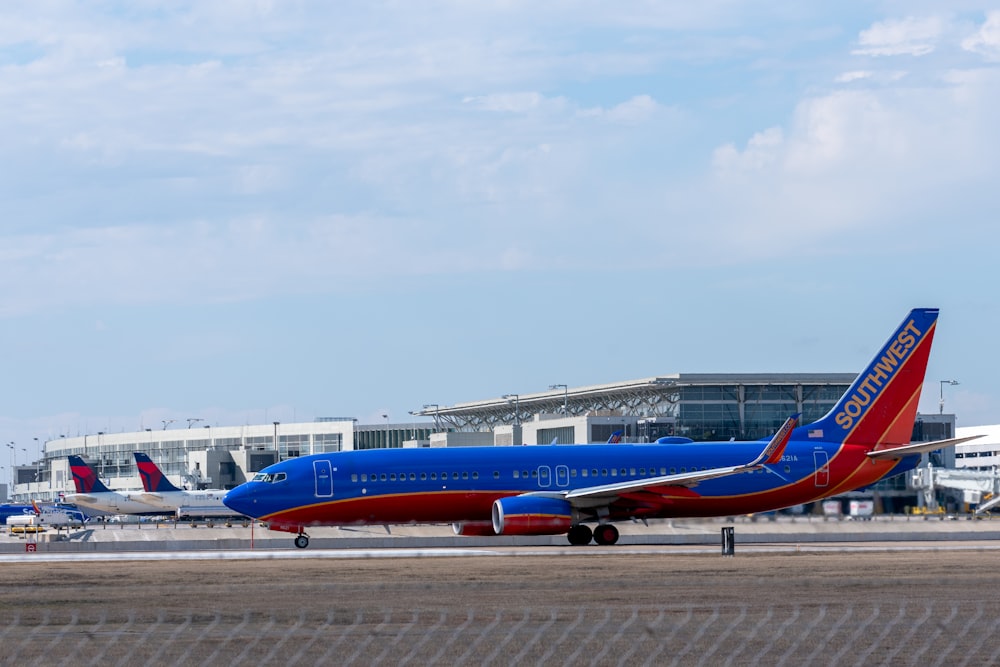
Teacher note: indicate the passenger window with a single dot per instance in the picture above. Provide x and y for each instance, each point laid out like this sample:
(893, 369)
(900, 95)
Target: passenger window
(364, 477)
(663, 471)
(434, 475)
(516, 474)
(572, 473)
(392, 477)
(683, 470)
(583, 472)
(423, 476)
(354, 478)
(534, 474)
(642, 471)
(475, 475)
(632, 472)
(454, 475)
(614, 472)
(496, 474)
(382, 477)
(593, 473)
(465, 475)
(673, 471)
(623, 472)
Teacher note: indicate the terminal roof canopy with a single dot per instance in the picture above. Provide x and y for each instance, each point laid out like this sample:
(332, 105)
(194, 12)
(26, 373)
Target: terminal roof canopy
(652, 397)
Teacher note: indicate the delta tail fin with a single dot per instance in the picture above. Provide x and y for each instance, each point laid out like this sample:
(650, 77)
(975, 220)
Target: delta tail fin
(880, 407)
(153, 479)
(84, 477)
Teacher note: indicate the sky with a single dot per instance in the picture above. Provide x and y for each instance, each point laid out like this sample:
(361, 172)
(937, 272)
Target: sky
(245, 212)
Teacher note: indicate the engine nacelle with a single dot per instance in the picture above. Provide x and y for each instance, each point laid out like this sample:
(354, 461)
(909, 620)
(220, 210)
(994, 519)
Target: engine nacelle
(474, 528)
(531, 515)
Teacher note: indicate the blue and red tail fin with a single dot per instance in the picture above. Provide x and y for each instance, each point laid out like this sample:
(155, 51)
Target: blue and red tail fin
(615, 438)
(84, 477)
(880, 407)
(153, 479)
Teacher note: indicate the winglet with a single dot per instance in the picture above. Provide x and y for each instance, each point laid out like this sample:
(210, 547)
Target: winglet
(776, 447)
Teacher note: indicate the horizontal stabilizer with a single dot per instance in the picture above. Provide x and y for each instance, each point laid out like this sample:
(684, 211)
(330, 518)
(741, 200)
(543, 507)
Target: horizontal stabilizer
(918, 448)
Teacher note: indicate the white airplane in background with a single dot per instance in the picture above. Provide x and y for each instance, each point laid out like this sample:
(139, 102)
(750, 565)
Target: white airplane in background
(92, 494)
(159, 491)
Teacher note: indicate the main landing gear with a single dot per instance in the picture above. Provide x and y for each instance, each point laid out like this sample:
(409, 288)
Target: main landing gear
(301, 540)
(603, 534)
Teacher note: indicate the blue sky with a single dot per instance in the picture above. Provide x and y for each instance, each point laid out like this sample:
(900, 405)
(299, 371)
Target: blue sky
(254, 211)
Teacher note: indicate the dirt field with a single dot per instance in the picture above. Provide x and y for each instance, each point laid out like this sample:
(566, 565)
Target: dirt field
(915, 608)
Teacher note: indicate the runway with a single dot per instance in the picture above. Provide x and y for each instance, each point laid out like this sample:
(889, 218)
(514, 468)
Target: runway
(504, 552)
(868, 604)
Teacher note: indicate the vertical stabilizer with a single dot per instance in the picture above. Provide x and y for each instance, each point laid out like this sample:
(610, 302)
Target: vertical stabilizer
(880, 407)
(84, 477)
(153, 479)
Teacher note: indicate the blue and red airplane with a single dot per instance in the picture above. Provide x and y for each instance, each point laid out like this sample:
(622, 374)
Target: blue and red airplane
(564, 489)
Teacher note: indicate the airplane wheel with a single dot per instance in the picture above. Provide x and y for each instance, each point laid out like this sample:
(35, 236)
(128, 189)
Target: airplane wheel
(301, 541)
(605, 534)
(580, 535)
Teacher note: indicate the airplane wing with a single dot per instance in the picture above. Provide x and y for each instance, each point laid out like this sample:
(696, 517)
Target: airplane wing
(918, 448)
(770, 454)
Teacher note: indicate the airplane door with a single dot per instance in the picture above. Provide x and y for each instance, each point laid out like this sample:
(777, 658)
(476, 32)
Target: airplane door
(562, 476)
(544, 476)
(324, 479)
(822, 460)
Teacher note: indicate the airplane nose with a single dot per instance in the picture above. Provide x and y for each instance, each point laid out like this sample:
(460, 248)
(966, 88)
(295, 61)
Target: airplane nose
(240, 500)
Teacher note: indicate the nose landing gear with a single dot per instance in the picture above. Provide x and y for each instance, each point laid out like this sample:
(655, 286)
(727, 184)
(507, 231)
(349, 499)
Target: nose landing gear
(301, 540)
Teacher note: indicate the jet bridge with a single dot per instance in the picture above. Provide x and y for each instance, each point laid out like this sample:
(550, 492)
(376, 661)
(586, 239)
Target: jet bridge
(975, 485)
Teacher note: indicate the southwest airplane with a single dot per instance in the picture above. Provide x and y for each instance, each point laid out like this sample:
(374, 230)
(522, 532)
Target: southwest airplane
(92, 494)
(161, 492)
(560, 489)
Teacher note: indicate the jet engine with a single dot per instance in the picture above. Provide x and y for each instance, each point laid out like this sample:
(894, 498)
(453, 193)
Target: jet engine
(531, 515)
(474, 528)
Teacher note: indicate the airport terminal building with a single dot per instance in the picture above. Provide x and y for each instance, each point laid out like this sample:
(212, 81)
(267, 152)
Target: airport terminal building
(698, 406)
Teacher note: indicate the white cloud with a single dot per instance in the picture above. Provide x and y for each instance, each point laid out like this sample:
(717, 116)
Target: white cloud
(896, 37)
(986, 40)
(507, 102)
(762, 150)
(636, 110)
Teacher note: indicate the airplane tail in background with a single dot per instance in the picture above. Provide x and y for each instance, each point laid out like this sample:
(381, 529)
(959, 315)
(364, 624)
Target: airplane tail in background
(153, 479)
(880, 407)
(84, 477)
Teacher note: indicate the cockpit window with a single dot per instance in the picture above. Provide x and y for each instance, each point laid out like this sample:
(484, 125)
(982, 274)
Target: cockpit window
(269, 478)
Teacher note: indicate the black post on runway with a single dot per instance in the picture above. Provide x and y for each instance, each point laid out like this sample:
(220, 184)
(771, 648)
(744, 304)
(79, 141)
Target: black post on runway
(728, 541)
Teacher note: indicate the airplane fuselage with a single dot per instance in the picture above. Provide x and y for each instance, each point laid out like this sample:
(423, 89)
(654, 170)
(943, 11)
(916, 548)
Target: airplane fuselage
(461, 484)
(112, 502)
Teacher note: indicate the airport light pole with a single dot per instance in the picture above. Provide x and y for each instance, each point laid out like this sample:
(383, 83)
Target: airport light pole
(517, 407)
(437, 415)
(565, 395)
(277, 453)
(941, 404)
